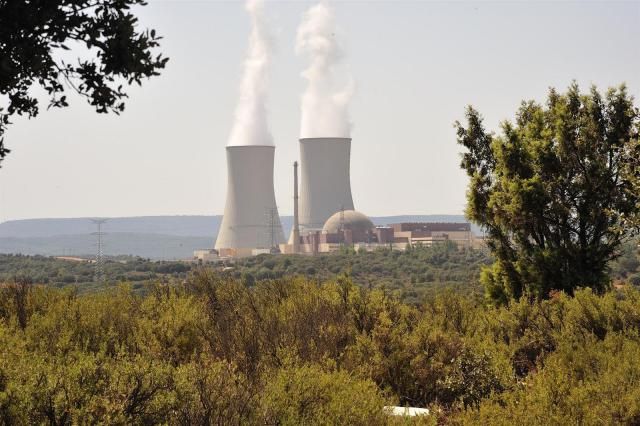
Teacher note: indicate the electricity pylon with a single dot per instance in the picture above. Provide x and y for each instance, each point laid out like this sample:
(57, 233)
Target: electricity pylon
(99, 273)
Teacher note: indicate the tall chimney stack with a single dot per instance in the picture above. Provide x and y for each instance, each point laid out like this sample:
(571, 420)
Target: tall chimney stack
(296, 222)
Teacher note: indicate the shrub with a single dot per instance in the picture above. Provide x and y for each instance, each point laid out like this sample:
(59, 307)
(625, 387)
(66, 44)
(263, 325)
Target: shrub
(308, 395)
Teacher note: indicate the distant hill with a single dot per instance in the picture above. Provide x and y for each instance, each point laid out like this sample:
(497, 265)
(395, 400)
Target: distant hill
(193, 226)
(155, 237)
(152, 246)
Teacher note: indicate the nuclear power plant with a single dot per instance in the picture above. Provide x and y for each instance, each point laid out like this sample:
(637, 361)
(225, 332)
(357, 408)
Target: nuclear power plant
(324, 215)
(324, 219)
(251, 224)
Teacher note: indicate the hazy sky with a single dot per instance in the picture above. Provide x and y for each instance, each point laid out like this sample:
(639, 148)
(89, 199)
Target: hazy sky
(416, 65)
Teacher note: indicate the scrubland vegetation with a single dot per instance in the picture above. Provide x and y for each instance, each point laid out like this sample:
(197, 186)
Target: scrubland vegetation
(293, 351)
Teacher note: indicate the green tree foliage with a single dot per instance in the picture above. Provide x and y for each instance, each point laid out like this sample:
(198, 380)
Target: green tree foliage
(556, 191)
(34, 36)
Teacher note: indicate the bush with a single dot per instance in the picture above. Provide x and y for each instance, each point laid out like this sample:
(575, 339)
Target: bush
(308, 395)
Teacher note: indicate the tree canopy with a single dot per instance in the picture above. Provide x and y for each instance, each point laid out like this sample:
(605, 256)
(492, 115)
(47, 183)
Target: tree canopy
(112, 52)
(556, 191)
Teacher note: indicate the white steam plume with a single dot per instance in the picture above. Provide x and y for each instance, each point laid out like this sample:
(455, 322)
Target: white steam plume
(250, 124)
(324, 103)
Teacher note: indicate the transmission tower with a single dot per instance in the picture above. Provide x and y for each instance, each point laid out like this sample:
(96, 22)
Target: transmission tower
(99, 273)
(271, 217)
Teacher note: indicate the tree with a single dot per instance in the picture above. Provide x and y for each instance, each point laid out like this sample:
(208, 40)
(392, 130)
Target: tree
(556, 191)
(34, 35)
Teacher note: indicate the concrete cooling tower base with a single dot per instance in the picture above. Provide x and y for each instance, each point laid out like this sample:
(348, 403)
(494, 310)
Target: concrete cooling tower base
(325, 180)
(251, 219)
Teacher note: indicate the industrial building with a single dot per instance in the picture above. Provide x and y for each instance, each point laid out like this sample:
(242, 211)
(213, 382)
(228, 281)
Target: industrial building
(350, 228)
(205, 255)
(429, 233)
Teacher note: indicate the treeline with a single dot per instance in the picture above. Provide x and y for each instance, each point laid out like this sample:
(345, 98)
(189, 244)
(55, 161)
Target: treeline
(293, 351)
(62, 273)
(410, 274)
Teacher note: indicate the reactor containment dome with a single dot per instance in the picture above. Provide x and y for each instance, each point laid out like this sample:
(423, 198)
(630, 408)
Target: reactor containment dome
(348, 220)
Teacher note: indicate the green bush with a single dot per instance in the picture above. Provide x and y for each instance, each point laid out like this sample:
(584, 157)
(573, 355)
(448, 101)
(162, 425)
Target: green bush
(310, 396)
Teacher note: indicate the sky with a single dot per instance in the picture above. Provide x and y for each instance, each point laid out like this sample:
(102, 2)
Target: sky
(415, 65)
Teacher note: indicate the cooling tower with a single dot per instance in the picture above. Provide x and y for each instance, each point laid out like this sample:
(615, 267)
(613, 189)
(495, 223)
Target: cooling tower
(251, 217)
(326, 184)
